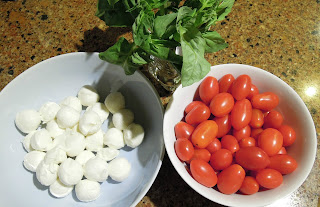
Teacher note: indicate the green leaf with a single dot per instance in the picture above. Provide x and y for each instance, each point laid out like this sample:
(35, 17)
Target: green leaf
(142, 27)
(214, 42)
(185, 13)
(195, 66)
(224, 9)
(164, 23)
(112, 2)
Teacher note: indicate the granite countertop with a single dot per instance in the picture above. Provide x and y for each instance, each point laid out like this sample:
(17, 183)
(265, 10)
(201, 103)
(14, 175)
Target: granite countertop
(282, 37)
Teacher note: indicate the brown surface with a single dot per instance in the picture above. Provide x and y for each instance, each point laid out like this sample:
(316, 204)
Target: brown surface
(282, 37)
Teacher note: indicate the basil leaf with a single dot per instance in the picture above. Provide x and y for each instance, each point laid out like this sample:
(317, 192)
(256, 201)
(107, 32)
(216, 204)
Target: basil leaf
(224, 9)
(214, 42)
(142, 27)
(164, 23)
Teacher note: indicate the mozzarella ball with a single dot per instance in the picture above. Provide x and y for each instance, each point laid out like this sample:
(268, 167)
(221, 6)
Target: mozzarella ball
(70, 172)
(123, 118)
(27, 142)
(59, 141)
(88, 95)
(72, 102)
(41, 140)
(32, 160)
(87, 190)
(133, 135)
(47, 173)
(94, 142)
(119, 169)
(114, 138)
(28, 120)
(53, 129)
(96, 169)
(100, 109)
(48, 111)
(108, 153)
(59, 190)
(114, 102)
(74, 143)
(56, 155)
(89, 123)
(84, 156)
(67, 117)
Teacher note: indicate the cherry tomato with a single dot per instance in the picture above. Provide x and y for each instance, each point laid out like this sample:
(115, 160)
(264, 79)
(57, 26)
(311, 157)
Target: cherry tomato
(230, 179)
(230, 143)
(203, 173)
(289, 135)
(184, 149)
(265, 101)
(285, 164)
(221, 159)
(204, 134)
(183, 130)
(201, 154)
(241, 114)
(249, 186)
(247, 142)
(252, 158)
(241, 87)
(224, 125)
(256, 132)
(253, 91)
(225, 83)
(198, 114)
(282, 151)
(274, 119)
(270, 140)
(242, 133)
(221, 104)
(192, 105)
(269, 178)
(208, 88)
(257, 119)
(214, 146)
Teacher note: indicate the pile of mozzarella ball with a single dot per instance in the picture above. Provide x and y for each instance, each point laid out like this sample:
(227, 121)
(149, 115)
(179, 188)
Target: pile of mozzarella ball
(68, 149)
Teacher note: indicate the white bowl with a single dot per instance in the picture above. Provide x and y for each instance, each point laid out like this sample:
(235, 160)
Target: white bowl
(53, 80)
(295, 114)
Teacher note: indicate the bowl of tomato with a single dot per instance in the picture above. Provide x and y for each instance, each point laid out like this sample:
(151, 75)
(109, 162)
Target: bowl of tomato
(240, 137)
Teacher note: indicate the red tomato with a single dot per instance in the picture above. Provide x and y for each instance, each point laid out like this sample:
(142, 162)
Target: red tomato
(241, 87)
(289, 135)
(214, 146)
(230, 179)
(265, 101)
(192, 105)
(221, 159)
(204, 134)
(242, 133)
(230, 143)
(241, 114)
(221, 104)
(270, 140)
(269, 178)
(208, 88)
(224, 125)
(256, 132)
(225, 83)
(257, 119)
(285, 164)
(184, 149)
(252, 158)
(247, 142)
(201, 154)
(183, 130)
(273, 120)
(198, 114)
(282, 151)
(203, 173)
(249, 186)
(253, 91)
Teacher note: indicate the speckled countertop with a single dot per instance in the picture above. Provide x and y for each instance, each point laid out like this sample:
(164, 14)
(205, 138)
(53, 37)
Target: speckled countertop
(280, 36)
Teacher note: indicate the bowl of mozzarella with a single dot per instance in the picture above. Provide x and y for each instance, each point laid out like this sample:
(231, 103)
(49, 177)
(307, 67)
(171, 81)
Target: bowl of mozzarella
(78, 132)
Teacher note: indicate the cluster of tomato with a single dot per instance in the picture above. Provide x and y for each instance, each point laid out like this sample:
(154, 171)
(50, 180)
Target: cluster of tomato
(232, 138)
